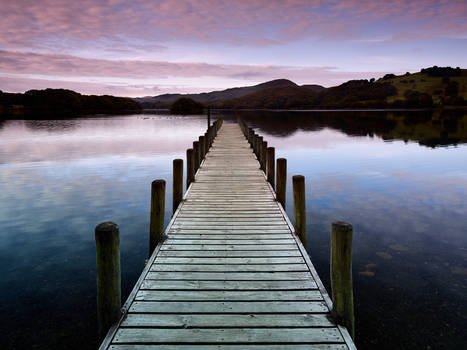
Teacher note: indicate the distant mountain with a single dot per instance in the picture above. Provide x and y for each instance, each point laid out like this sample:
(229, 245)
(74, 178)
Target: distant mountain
(164, 101)
(435, 86)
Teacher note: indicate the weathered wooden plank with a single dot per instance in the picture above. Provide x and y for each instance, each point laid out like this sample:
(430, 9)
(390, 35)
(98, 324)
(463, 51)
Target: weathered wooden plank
(227, 335)
(230, 260)
(222, 295)
(230, 253)
(228, 320)
(206, 242)
(227, 285)
(230, 276)
(264, 246)
(229, 268)
(231, 307)
(230, 347)
(236, 235)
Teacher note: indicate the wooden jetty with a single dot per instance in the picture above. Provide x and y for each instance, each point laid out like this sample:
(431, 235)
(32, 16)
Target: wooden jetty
(230, 273)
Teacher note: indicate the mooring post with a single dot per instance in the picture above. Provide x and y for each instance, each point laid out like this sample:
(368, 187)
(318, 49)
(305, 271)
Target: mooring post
(177, 183)
(209, 116)
(298, 182)
(157, 213)
(250, 136)
(281, 180)
(206, 143)
(260, 150)
(271, 165)
(190, 173)
(108, 276)
(341, 275)
(202, 151)
(195, 156)
(264, 156)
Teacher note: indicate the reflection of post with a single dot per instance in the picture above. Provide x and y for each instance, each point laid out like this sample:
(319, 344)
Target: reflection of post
(341, 275)
(108, 276)
(209, 117)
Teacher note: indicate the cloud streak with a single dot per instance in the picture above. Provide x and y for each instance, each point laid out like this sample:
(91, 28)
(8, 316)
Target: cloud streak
(85, 74)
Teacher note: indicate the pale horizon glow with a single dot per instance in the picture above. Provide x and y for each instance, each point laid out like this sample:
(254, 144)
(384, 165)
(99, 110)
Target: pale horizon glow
(145, 47)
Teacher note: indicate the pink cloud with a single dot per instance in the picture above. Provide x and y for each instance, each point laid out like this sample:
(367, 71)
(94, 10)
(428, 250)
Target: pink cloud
(33, 70)
(33, 22)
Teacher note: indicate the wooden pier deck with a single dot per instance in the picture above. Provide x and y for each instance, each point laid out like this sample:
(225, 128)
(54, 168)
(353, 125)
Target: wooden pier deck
(231, 274)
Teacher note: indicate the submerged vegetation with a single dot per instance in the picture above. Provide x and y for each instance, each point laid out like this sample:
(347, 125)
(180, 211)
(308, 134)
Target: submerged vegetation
(61, 102)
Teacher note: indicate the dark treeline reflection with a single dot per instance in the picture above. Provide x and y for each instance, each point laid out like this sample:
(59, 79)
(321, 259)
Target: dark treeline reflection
(428, 128)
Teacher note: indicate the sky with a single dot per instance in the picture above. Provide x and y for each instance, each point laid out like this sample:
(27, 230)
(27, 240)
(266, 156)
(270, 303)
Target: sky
(150, 47)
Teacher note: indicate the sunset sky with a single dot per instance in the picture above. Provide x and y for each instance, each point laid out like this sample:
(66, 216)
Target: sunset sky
(150, 47)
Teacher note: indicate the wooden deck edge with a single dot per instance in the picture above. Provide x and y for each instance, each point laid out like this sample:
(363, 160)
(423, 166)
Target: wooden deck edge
(124, 310)
(343, 330)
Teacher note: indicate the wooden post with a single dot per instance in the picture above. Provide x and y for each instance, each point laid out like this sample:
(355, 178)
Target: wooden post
(260, 150)
(177, 183)
(195, 156)
(250, 136)
(206, 143)
(209, 117)
(190, 171)
(108, 276)
(281, 180)
(264, 156)
(157, 213)
(271, 165)
(202, 151)
(298, 182)
(341, 275)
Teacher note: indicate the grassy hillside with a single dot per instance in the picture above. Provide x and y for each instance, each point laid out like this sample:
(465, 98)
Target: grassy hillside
(438, 82)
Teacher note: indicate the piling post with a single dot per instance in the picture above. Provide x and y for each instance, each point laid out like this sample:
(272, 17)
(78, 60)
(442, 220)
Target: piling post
(271, 165)
(177, 183)
(264, 156)
(250, 136)
(341, 275)
(202, 151)
(298, 182)
(281, 180)
(209, 117)
(190, 173)
(108, 276)
(195, 156)
(206, 143)
(260, 150)
(157, 213)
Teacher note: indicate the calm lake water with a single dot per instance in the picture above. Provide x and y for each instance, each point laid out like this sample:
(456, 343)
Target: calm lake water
(399, 178)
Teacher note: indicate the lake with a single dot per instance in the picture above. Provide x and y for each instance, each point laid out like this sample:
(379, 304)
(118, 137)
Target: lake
(400, 178)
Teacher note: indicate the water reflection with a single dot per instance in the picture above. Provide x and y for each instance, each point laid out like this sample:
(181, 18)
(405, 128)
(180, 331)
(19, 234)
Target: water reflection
(58, 179)
(429, 128)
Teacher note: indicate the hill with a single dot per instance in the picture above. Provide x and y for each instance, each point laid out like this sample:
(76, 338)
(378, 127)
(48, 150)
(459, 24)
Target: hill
(61, 102)
(164, 101)
(431, 87)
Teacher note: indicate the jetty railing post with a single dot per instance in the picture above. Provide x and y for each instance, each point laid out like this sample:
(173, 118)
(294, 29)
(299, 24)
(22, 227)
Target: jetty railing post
(206, 143)
(341, 275)
(281, 180)
(190, 173)
(177, 183)
(264, 156)
(157, 213)
(209, 117)
(299, 209)
(260, 150)
(202, 151)
(271, 165)
(108, 276)
(195, 156)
